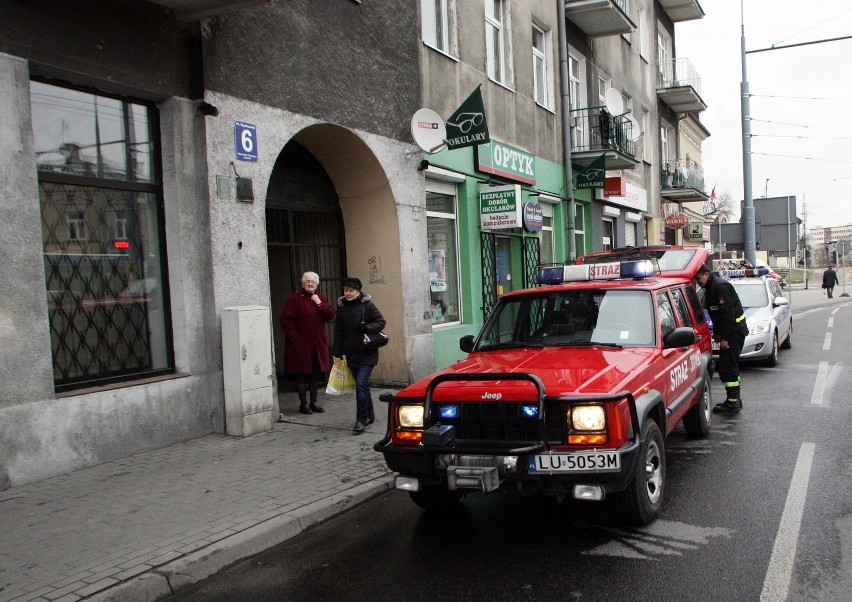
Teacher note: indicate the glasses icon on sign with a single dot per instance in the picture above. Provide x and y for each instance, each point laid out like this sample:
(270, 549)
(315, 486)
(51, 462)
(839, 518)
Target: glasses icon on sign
(467, 121)
(593, 174)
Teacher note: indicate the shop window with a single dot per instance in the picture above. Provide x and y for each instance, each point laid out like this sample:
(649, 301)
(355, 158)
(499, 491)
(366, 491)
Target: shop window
(443, 252)
(608, 239)
(102, 234)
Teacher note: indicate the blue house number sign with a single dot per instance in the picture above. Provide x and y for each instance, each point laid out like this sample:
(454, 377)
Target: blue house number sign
(245, 138)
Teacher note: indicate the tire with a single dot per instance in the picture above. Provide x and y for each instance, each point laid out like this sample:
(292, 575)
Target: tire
(698, 419)
(641, 502)
(772, 358)
(788, 342)
(436, 499)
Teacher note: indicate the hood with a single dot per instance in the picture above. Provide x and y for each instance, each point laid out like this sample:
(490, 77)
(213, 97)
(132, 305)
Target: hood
(757, 314)
(564, 371)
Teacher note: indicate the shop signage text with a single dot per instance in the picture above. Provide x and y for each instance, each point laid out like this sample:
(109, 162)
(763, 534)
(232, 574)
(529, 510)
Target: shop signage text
(500, 207)
(507, 161)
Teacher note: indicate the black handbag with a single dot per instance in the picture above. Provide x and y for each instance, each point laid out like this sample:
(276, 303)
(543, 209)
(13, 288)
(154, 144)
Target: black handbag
(372, 341)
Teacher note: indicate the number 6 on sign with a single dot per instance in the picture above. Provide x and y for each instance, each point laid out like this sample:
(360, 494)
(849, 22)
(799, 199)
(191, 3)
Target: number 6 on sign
(245, 140)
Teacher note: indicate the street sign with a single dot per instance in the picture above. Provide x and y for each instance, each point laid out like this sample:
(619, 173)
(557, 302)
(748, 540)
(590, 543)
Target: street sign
(245, 140)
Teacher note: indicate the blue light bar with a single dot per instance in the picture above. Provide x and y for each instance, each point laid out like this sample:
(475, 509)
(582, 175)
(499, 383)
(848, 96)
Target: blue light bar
(637, 269)
(529, 410)
(551, 275)
(751, 273)
(449, 412)
(585, 272)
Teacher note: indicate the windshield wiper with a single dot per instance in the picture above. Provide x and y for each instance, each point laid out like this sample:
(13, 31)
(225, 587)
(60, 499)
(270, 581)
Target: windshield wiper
(592, 344)
(510, 345)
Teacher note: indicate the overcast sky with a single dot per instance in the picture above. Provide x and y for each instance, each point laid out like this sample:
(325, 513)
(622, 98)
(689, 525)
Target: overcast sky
(801, 103)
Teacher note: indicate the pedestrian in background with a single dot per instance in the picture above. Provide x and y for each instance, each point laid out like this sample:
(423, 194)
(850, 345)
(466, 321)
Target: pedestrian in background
(729, 330)
(357, 315)
(829, 280)
(306, 358)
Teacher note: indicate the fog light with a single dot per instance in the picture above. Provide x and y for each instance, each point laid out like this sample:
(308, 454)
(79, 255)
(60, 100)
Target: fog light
(758, 347)
(592, 493)
(406, 483)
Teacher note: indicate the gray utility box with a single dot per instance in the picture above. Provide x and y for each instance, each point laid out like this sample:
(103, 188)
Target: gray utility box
(247, 367)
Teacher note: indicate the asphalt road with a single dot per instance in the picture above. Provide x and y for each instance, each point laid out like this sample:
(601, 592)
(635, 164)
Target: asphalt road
(760, 510)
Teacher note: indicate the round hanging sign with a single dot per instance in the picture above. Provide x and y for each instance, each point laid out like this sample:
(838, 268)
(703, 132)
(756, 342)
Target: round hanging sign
(533, 217)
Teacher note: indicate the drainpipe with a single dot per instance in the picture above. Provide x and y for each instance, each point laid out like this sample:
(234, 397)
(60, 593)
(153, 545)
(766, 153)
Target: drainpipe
(566, 129)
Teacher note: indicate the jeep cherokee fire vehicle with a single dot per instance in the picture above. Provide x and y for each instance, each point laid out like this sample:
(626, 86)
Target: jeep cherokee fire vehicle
(569, 389)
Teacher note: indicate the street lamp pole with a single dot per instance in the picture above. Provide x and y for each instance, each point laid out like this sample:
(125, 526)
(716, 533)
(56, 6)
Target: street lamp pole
(749, 237)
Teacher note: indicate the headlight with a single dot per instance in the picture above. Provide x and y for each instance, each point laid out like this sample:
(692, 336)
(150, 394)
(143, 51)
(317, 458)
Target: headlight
(410, 416)
(588, 418)
(759, 327)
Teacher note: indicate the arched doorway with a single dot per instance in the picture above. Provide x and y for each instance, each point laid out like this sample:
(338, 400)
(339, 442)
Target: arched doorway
(304, 232)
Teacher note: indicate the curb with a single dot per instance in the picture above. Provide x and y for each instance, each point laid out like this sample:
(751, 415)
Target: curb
(163, 581)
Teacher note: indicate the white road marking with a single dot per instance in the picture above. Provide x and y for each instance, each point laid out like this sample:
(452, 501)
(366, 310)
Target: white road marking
(831, 322)
(777, 582)
(826, 346)
(819, 386)
(837, 309)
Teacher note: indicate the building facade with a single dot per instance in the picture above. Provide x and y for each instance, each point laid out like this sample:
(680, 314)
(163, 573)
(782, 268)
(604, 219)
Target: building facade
(170, 160)
(164, 162)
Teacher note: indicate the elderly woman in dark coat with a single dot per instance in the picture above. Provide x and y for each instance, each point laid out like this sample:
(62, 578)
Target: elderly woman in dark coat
(358, 315)
(306, 344)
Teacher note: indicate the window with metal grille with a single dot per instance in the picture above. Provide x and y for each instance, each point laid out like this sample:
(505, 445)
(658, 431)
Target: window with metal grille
(102, 233)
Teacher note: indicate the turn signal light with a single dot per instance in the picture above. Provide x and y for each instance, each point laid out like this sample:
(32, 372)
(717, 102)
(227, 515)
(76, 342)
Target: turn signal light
(587, 439)
(409, 435)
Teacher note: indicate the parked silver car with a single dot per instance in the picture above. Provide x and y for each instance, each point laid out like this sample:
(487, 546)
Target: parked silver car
(769, 319)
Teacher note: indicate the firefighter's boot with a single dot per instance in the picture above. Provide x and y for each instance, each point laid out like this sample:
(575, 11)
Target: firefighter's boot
(732, 405)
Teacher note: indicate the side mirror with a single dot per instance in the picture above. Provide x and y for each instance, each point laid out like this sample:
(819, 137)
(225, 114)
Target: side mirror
(779, 301)
(679, 337)
(466, 343)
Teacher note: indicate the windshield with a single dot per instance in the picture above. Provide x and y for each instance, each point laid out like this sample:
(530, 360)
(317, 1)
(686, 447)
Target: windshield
(751, 295)
(571, 317)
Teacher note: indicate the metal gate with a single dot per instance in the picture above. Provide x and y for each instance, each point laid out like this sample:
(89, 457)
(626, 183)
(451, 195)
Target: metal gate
(489, 288)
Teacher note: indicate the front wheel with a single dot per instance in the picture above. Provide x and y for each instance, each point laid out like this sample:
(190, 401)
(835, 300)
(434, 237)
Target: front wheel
(641, 502)
(772, 359)
(699, 417)
(788, 342)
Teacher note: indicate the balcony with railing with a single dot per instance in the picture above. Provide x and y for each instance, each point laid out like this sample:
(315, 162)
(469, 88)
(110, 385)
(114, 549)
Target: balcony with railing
(682, 10)
(595, 131)
(679, 86)
(682, 181)
(599, 17)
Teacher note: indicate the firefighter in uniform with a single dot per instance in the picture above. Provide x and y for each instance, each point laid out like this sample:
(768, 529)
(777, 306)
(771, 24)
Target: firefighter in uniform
(729, 330)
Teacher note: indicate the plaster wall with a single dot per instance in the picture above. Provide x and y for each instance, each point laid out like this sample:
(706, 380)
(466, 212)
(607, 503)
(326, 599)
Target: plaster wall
(382, 197)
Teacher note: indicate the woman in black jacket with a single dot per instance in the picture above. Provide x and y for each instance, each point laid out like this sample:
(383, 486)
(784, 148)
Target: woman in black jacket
(358, 315)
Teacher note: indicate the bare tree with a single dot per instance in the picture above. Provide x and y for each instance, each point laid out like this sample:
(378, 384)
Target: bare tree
(722, 205)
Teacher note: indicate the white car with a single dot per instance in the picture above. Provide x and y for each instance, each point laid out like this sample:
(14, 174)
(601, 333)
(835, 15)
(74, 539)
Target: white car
(769, 319)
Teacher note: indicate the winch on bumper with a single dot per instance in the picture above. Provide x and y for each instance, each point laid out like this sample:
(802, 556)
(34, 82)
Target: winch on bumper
(445, 459)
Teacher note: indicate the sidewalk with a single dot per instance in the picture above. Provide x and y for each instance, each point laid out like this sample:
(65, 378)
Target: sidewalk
(141, 527)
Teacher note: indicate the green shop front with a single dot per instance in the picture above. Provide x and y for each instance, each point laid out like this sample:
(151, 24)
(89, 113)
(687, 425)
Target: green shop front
(494, 213)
